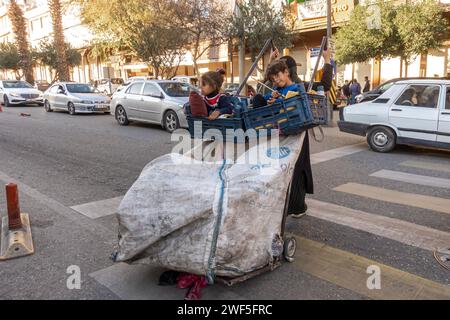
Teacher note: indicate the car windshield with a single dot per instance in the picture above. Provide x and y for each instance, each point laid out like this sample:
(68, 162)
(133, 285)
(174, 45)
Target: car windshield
(80, 88)
(16, 85)
(386, 86)
(177, 89)
(117, 81)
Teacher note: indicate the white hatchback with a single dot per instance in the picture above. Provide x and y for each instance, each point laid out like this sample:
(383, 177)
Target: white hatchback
(413, 112)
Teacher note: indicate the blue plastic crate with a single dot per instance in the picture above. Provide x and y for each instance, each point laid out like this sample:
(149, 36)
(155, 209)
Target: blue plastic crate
(318, 106)
(226, 126)
(290, 116)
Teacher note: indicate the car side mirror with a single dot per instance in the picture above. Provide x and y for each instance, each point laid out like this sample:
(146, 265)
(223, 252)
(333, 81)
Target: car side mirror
(60, 91)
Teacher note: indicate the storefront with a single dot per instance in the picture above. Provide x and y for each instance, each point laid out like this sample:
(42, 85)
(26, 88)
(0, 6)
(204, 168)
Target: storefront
(312, 27)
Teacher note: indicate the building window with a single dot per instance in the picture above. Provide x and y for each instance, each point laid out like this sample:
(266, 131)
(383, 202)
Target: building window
(213, 52)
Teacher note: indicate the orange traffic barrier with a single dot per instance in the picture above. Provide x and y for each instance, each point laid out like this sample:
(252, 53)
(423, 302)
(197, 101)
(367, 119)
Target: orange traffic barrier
(12, 199)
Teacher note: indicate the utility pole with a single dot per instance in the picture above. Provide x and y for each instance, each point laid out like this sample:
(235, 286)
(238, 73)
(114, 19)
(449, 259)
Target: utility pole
(241, 59)
(329, 34)
(329, 31)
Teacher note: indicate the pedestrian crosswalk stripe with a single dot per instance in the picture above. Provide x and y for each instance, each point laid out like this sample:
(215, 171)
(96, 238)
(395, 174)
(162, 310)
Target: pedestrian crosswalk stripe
(139, 282)
(427, 165)
(98, 209)
(392, 196)
(349, 271)
(321, 261)
(412, 178)
(333, 154)
(398, 230)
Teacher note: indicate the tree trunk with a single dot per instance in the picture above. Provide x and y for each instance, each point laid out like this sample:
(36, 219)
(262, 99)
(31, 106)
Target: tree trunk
(58, 34)
(242, 63)
(196, 70)
(19, 26)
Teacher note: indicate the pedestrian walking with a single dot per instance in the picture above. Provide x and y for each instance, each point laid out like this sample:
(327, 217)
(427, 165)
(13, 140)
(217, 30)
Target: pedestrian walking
(366, 84)
(355, 89)
(346, 91)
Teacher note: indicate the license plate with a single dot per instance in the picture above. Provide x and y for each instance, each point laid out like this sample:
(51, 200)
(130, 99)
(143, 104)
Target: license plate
(101, 107)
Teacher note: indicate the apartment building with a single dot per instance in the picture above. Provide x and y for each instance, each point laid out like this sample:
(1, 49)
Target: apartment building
(310, 27)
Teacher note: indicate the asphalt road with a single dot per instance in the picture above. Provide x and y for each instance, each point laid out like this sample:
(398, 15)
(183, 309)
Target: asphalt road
(63, 161)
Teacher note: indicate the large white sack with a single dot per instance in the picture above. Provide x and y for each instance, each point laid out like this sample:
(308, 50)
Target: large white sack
(208, 218)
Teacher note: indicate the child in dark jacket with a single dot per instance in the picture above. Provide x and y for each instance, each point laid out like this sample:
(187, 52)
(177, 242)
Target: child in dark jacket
(215, 102)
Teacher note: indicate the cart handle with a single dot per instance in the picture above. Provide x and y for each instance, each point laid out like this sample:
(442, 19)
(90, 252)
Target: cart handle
(323, 46)
(268, 43)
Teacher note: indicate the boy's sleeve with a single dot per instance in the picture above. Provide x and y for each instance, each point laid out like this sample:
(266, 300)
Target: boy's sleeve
(225, 105)
(327, 77)
(267, 96)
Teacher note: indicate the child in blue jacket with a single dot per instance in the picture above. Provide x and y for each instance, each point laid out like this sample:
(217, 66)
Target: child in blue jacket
(278, 73)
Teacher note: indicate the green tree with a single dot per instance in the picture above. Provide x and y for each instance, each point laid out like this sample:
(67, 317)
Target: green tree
(204, 23)
(140, 27)
(382, 30)
(260, 20)
(62, 67)
(421, 26)
(48, 56)
(10, 58)
(19, 27)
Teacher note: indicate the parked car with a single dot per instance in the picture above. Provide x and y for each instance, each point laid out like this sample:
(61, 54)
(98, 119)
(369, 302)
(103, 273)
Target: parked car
(15, 92)
(378, 91)
(193, 80)
(109, 86)
(231, 88)
(41, 85)
(413, 112)
(76, 98)
(131, 80)
(153, 101)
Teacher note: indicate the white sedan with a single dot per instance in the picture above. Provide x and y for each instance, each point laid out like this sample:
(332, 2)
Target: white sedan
(16, 92)
(413, 112)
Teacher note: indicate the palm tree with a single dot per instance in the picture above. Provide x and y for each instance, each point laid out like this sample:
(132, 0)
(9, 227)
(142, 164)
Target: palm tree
(58, 35)
(19, 26)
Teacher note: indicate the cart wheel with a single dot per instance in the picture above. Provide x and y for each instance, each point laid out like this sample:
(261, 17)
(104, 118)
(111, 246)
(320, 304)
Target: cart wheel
(290, 245)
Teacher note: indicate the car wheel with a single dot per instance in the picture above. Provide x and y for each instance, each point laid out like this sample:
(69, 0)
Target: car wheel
(6, 101)
(171, 122)
(47, 106)
(121, 116)
(71, 109)
(381, 139)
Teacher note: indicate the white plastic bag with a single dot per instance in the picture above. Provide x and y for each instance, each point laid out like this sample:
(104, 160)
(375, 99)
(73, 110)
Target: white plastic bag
(208, 218)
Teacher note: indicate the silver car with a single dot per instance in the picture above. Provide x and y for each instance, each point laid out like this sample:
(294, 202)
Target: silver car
(152, 101)
(109, 86)
(75, 98)
(16, 92)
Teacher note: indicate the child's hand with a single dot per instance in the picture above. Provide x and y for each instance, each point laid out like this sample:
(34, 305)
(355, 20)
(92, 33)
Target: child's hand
(327, 55)
(271, 101)
(274, 54)
(214, 115)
